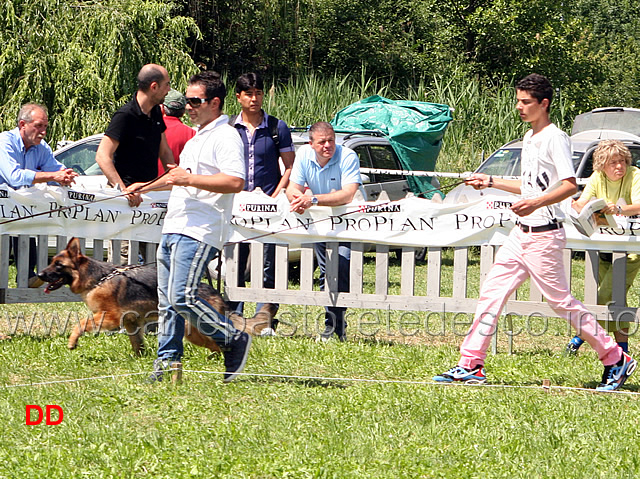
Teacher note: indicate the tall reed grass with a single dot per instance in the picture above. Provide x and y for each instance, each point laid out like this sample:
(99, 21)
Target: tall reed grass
(484, 113)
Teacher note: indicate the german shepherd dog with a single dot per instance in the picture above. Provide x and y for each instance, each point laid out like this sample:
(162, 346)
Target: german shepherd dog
(128, 297)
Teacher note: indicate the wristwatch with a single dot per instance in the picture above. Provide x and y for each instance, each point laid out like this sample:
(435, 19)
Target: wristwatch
(314, 200)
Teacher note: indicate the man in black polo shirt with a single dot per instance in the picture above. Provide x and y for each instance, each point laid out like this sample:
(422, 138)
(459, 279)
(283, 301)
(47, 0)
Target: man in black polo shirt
(129, 151)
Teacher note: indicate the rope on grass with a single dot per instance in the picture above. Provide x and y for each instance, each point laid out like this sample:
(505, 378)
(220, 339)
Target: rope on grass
(421, 383)
(77, 380)
(335, 379)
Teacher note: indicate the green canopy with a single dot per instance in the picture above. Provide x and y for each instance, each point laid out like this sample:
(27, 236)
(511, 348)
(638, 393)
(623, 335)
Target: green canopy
(414, 129)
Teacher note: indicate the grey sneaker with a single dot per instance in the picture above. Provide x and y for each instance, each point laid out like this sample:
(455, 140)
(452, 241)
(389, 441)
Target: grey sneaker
(235, 355)
(159, 367)
(327, 335)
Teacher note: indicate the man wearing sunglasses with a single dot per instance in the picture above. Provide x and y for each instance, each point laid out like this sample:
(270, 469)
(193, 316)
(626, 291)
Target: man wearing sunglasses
(135, 139)
(196, 226)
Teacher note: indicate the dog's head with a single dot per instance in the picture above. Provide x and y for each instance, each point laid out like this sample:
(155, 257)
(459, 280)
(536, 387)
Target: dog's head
(64, 267)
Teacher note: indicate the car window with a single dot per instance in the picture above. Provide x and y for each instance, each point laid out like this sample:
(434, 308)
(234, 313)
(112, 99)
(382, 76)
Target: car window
(384, 158)
(81, 158)
(363, 154)
(365, 162)
(504, 162)
(635, 156)
(576, 157)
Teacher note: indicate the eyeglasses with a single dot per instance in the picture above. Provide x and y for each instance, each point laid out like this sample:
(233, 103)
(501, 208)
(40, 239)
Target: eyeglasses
(196, 102)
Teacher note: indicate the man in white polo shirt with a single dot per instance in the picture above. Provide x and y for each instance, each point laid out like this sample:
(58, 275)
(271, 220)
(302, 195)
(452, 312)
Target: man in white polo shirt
(196, 226)
(332, 174)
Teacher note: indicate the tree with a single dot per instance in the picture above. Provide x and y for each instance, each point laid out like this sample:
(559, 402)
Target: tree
(81, 58)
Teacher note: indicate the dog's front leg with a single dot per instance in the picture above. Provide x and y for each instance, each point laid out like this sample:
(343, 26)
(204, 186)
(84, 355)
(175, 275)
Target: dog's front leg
(94, 323)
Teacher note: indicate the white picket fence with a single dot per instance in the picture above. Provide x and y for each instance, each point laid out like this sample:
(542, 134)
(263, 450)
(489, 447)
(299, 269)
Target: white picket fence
(407, 299)
(306, 294)
(47, 246)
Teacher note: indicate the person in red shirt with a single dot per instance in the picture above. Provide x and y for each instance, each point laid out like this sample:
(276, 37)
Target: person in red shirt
(177, 133)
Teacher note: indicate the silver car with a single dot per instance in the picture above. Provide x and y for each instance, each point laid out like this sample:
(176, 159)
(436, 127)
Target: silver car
(613, 123)
(379, 164)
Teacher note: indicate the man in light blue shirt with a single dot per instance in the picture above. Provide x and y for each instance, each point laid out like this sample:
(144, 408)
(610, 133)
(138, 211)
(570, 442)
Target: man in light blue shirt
(332, 173)
(26, 159)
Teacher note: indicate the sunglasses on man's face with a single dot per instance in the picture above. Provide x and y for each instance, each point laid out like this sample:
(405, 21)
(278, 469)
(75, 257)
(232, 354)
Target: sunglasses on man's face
(195, 102)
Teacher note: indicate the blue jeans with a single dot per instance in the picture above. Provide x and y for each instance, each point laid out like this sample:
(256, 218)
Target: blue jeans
(334, 316)
(269, 278)
(181, 264)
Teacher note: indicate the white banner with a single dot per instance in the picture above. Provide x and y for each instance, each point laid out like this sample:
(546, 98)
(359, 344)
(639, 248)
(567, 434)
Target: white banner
(407, 222)
(86, 214)
(256, 216)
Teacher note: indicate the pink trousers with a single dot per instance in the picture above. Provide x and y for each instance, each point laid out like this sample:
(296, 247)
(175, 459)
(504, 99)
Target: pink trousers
(539, 256)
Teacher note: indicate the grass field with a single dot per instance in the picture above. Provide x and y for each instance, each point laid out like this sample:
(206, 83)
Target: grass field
(362, 409)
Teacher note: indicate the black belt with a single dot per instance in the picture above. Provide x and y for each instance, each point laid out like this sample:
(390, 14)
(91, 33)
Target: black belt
(539, 229)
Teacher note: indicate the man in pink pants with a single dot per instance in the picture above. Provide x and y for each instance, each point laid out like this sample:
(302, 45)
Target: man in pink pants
(534, 247)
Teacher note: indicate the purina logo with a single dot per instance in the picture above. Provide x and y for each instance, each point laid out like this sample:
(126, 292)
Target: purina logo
(75, 195)
(4, 194)
(259, 208)
(381, 209)
(499, 205)
(159, 205)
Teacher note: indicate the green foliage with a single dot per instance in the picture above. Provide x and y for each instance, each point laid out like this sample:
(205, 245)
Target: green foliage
(81, 59)
(587, 48)
(305, 99)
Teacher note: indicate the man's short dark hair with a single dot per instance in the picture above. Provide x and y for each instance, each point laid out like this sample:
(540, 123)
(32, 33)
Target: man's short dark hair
(320, 126)
(149, 74)
(247, 81)
(212, 83)
(177, 112)
(537, 86)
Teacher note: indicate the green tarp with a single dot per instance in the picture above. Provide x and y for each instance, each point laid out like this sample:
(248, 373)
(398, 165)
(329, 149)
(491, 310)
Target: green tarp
(414, 129)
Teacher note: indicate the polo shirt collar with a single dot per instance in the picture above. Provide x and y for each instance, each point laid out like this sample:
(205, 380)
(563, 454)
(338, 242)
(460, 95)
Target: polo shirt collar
(263, 124)
(221, 120)
(136, 106)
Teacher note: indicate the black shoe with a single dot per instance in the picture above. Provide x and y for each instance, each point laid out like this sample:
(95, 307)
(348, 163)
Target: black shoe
(571, 349)
(235, 355)
(159, 367)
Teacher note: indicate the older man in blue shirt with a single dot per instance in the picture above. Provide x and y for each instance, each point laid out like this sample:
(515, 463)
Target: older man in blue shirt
(332, 173)
(26, 159)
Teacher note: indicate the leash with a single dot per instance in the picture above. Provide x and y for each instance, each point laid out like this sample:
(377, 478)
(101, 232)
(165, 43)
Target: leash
(139, 189)
(358, 210)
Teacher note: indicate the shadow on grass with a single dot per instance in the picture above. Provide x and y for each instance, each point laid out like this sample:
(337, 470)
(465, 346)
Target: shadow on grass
(310, 383)
(370, 341)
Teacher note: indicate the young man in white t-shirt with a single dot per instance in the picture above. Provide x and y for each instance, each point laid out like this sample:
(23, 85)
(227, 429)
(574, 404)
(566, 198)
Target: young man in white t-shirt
(534, 247)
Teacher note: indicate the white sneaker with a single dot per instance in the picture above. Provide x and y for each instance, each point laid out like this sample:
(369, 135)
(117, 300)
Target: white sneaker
(267, 332)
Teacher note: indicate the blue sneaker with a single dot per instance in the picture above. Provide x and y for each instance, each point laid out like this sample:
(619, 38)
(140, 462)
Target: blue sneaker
(615, 375)
(573, 346)
(460, 374)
